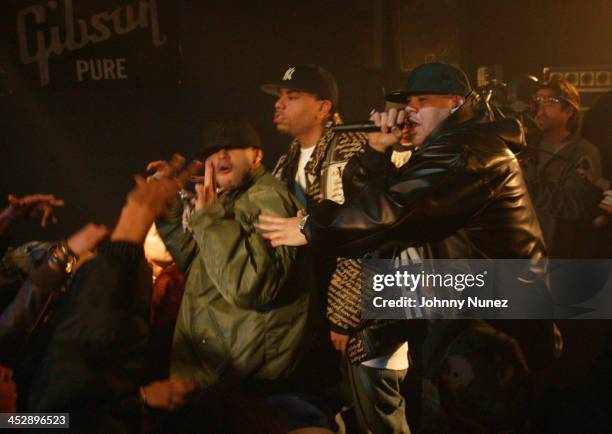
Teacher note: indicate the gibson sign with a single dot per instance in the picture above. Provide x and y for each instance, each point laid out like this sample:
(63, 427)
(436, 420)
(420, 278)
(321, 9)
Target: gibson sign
(66, 43)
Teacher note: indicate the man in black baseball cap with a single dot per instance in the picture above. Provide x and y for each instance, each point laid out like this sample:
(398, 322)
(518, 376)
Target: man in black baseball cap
(261, 296)
(233, 150)
(307, 99)
(306, 78)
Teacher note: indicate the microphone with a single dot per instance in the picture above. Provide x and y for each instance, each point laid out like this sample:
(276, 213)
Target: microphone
(356, 127)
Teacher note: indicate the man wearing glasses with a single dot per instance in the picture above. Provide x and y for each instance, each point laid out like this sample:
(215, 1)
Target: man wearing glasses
(564, 201)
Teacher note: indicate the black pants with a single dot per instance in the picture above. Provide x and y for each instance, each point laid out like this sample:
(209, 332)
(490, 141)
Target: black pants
(378, 404)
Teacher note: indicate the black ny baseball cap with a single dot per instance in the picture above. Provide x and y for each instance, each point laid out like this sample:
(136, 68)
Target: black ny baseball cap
(306, 78)
(433, 78)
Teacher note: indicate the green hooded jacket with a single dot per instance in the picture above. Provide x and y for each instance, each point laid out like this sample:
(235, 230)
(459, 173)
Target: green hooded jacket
(246, 311)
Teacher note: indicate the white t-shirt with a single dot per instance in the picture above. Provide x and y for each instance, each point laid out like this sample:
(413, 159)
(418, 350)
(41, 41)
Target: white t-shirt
(398, 361)
(300, 175)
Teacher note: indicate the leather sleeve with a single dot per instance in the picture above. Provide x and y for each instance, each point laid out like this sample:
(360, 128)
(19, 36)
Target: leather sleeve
(435, 195)
(370, 167)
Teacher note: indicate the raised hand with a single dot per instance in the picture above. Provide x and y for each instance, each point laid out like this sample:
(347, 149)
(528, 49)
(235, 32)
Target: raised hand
(166, 169)
(87, 238)
(31, 206)
(150, 199)
(207, 192)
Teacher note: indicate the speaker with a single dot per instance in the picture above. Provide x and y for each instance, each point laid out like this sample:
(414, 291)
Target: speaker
(590, 80)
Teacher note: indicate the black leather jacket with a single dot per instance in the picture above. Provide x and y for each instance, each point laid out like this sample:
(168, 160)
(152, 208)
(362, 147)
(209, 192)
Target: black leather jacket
(462, 195)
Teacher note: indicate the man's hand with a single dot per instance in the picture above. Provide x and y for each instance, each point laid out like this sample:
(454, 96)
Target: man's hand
(606, 203)
(150, 199)
(391, 124)
(585, 169)
(339, 341)
(282, 231)
(206, 193)
(168, 394)
(8, 391)
(87, 238)
(31, 206)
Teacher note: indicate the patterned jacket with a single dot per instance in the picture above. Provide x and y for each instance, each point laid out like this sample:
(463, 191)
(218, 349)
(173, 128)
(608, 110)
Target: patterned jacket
(324, 181)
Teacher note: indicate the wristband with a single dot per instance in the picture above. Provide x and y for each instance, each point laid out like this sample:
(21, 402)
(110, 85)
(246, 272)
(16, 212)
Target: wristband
(62, 256)
(303, 223)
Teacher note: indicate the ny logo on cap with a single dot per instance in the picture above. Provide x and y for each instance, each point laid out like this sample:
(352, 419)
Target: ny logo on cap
(289, 74)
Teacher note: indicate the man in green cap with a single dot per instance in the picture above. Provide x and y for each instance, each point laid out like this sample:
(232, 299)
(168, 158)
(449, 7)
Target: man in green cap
(306, 106)
(246, 311)
(462, 194)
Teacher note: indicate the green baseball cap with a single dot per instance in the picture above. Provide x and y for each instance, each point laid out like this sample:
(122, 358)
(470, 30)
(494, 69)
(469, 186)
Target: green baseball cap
(432, 78)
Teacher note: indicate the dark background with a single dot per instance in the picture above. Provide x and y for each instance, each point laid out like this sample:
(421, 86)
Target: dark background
(85, 145)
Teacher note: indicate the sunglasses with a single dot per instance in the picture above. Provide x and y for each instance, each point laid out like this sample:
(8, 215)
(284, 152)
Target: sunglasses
(547, 101)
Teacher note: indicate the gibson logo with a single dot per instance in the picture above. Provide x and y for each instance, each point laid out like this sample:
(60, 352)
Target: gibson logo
(98, 28)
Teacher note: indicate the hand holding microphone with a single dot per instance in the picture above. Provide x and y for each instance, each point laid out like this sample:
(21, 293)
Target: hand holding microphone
(390, 124)
(385, 128)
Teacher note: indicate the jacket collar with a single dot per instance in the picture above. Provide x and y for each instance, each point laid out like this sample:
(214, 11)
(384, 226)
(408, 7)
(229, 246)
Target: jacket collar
(318, 155)
(248, 182)
(477, 113)
(471, 110)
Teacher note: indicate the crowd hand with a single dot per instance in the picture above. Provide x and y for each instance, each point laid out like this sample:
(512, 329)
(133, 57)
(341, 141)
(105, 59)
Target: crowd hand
(87, 238)
(339, 341)
(391, 124)
(281, 231)
(8, 391)
(167, 394)
(32, 206)
(207, 192)
(150, 200)
(166, 169)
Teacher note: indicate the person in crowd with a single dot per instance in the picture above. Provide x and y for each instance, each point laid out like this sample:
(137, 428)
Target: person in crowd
(31, 275)
(168, 288)
(307, 101)
(564, 201)
(95, 364)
